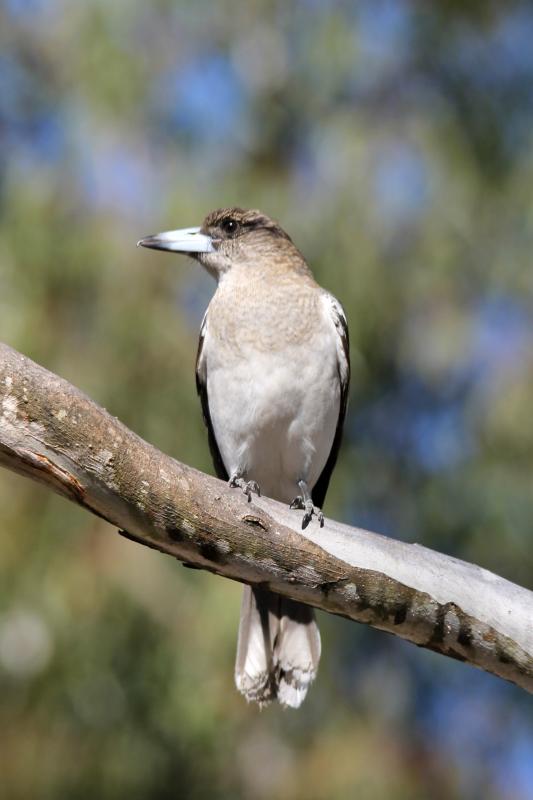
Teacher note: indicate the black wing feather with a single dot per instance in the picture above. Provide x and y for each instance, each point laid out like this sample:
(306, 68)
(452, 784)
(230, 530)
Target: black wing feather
(201, 388)
(320, 488)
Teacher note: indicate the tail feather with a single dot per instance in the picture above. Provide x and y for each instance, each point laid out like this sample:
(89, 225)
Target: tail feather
(278, 649)
(258, 628)
(297, 652)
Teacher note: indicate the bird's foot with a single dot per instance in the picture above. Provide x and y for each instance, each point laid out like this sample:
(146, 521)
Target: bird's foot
(248, 487)
(310, 511)
(304, 502)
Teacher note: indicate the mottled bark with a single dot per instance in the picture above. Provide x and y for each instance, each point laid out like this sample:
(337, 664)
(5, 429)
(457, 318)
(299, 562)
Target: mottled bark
(51, 432)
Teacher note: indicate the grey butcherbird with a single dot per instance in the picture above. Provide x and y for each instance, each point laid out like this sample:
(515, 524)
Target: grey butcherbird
(272, 373)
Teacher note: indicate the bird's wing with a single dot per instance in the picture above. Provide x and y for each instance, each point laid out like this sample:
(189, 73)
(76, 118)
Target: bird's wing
(201, 387)
(336, 313)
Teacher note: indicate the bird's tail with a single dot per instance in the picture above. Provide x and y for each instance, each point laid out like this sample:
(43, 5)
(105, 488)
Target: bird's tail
(278, 649)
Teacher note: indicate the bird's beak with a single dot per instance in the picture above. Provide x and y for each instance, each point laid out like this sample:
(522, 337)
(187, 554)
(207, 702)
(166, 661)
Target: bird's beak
(185, 240)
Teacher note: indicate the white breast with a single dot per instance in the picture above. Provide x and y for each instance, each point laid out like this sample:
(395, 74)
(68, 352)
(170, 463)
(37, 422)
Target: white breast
(275, 413)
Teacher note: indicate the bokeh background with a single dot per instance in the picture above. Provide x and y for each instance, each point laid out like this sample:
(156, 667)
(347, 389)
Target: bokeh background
(394, 140)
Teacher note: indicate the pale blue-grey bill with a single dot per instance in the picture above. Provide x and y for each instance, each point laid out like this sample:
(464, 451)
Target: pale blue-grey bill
(184, 240)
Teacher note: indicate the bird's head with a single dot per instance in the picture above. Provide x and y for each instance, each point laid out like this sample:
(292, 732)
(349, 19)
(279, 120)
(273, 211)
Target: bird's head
(230, 238)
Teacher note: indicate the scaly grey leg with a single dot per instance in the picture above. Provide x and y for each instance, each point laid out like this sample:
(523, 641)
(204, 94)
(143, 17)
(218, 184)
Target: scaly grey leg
(305, 502)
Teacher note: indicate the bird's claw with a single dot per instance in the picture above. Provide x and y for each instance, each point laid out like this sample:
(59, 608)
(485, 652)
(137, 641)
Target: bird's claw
(248, 487)
(306, 504)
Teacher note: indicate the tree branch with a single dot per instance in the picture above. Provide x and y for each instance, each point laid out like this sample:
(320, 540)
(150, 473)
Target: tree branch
(51, 432)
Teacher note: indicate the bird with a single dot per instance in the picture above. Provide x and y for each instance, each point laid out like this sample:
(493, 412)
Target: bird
(272, 374)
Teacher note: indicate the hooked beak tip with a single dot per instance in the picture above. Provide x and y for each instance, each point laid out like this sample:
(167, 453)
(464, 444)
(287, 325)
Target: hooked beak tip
(149, 241)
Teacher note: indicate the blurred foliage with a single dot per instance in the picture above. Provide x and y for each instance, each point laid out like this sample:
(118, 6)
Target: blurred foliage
(394, 142)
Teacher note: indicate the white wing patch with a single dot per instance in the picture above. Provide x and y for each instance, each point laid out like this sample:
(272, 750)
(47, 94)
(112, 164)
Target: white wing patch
(201, 367)
(336, 314)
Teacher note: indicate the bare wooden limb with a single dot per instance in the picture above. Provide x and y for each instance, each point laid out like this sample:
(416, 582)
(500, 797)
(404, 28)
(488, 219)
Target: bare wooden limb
(51, 432)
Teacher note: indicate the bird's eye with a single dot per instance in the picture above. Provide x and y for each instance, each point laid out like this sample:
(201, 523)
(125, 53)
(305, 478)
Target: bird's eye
(229, 226)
